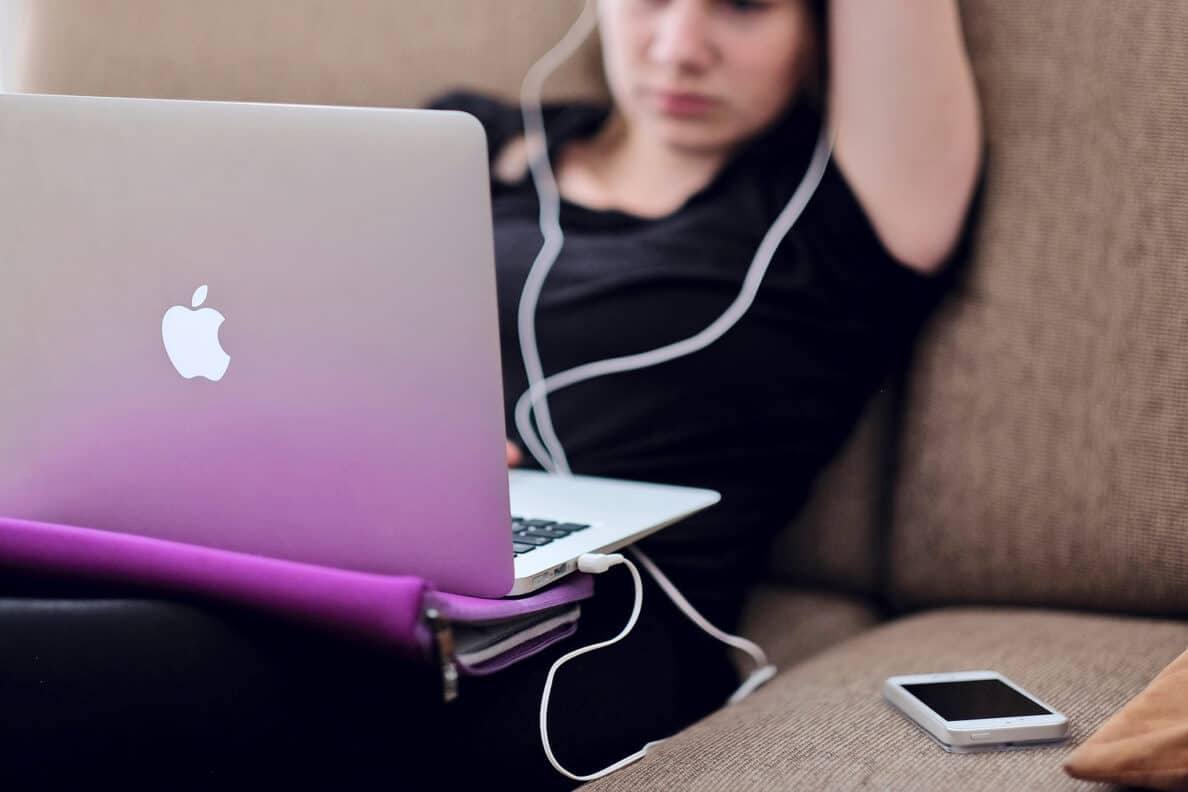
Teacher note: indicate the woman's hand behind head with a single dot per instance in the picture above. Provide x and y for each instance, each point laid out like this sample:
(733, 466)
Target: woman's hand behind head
(514, 455)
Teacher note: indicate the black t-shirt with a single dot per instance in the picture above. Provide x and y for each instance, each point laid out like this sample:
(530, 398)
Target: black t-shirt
(759, 412)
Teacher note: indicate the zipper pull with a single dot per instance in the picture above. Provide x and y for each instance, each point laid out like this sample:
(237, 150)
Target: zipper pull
(443, 644)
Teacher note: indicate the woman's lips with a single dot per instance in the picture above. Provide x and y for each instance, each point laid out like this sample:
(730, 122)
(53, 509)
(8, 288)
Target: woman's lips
(682, 104)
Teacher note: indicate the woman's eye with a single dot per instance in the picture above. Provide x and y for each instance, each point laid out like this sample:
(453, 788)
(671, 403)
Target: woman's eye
(747, 5)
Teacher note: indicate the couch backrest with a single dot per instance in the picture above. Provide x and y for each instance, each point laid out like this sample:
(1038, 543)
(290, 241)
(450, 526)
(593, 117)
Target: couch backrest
(352, 52)
(1046, 442)
(838, 540)
(388, 53)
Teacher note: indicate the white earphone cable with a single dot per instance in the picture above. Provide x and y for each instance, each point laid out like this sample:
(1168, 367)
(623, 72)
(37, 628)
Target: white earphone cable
(548, 450)
(550, 455)
(539, 389)
(546, 447)
(763, 669)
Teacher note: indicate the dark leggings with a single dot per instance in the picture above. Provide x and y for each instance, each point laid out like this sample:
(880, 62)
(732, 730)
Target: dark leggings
(606, 704)
(186, 696)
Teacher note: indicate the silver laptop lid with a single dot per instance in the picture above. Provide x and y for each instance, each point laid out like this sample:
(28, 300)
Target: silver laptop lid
(353, 413)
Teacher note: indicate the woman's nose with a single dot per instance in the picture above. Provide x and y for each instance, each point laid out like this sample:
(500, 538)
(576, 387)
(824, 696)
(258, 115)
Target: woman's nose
(681, 36)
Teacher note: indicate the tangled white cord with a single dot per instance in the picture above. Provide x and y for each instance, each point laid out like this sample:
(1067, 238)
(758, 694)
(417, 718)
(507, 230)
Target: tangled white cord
(550, 229)
(546, 447)
(597, 563)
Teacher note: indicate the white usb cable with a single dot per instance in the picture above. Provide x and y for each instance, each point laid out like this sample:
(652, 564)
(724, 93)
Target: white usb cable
(594, 563)
(597, 563)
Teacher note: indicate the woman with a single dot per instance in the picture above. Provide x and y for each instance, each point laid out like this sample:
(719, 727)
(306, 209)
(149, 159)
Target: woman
(716, 107)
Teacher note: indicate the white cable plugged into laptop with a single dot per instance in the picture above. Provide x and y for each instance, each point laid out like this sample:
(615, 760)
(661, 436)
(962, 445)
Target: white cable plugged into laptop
(597, 563)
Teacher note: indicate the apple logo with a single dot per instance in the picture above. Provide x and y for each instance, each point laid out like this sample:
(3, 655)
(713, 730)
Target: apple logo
(192, 339)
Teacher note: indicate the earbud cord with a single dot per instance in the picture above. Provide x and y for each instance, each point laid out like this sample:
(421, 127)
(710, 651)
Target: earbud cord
(547, 448)
(553, 457)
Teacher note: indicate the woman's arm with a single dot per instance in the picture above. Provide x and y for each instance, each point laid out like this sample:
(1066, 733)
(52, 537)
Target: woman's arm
(905, 109)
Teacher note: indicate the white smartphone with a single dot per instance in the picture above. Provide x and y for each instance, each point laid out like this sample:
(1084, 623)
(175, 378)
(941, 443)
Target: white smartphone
(973, 711)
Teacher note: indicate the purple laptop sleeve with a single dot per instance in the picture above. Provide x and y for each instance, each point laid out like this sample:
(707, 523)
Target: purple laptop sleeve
(386, 609)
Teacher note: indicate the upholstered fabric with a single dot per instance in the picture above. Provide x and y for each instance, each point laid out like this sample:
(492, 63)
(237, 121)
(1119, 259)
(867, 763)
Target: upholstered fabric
(823, 724)
(792, 624)
(365, 52)
(1046, 454)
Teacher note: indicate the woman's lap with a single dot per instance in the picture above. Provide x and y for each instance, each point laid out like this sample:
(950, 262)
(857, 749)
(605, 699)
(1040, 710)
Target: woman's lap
(181, 694)
(604, 705)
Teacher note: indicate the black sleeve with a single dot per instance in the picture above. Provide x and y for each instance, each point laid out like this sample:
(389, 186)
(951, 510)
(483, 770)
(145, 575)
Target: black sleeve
(853, 256)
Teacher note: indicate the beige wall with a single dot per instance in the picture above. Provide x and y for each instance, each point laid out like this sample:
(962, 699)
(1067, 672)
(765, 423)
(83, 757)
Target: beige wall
(7, 43)
(365, 52)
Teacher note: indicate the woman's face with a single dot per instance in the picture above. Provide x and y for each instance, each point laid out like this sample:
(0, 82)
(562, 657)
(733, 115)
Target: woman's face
(704, 75)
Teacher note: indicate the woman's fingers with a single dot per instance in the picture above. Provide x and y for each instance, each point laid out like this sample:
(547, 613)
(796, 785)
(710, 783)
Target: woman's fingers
(514, 456)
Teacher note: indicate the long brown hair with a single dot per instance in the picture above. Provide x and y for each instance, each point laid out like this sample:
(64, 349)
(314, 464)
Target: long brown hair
(817, 73)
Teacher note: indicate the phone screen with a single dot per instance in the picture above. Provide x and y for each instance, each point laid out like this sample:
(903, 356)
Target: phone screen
(974, 699)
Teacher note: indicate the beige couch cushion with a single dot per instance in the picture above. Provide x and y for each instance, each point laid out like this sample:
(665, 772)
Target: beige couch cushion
(364, 52)
(1046, 459)
(823, 724)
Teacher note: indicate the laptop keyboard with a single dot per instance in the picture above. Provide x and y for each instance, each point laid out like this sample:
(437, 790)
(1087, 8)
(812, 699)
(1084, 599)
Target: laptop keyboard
(527, 535)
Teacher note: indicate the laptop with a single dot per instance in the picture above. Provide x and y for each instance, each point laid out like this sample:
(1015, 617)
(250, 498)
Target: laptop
(272, 329)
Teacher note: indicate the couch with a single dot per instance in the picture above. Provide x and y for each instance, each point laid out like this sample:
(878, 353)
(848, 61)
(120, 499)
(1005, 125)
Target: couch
(1015, 496)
